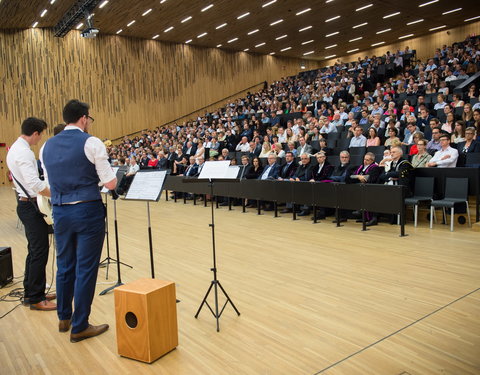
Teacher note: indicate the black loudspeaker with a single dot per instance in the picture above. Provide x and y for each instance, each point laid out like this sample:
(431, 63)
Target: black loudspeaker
(6, 266)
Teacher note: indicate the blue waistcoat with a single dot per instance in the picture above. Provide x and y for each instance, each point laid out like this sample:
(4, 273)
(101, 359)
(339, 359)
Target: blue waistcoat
(71, 175)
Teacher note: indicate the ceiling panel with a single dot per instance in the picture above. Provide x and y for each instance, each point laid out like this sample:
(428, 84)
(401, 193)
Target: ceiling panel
(334, 24)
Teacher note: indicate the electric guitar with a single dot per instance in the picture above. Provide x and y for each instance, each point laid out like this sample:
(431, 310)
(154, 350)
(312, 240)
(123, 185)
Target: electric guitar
(45, 207)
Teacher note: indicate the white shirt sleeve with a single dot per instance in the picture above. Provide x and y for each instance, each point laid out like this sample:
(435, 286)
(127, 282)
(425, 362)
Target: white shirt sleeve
(96, 153)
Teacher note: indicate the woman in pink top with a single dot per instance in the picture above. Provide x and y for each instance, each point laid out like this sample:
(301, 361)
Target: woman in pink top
(373, 139)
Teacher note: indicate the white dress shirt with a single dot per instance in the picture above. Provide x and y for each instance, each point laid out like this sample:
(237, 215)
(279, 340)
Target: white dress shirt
(23, 165)
(451, 162)
(96, 153)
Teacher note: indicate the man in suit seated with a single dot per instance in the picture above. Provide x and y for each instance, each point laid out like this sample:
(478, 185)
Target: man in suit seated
(368, 172)
(303, 173)
(339, 173)
(304, 148)
(288, 170)
(270, 172)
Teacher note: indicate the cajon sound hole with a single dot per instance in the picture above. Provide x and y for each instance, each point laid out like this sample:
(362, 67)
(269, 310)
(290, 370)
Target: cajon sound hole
(131, 319)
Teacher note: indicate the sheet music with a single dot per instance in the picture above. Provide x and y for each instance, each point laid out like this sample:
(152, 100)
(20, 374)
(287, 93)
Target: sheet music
(215, 169)
(233, 171)
(104, 189)
(146, 186)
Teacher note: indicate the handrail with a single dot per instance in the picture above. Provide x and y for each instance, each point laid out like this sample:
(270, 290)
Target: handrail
(197, 110)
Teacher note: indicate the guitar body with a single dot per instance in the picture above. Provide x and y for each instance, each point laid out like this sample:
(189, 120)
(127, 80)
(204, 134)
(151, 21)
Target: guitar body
(45, 207)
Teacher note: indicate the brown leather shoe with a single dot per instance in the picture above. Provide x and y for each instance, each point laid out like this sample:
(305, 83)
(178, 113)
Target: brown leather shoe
(91, 331)
(43, 306)
(51, 296)
(64, 325)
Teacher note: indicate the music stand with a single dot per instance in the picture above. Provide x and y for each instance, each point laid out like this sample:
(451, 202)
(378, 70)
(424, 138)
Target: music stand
(147, 186)
(120, 172)
(215, 171)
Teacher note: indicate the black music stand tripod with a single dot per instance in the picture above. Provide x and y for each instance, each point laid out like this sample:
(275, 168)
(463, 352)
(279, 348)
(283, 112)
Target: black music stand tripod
(215, 283)
(108, 259)
(117, 249)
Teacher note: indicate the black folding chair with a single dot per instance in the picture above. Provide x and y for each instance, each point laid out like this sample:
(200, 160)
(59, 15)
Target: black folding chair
(456, 192)
(423, 192)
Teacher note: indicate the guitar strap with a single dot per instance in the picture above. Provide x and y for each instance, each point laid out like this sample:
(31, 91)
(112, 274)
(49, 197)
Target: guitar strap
(26, 193)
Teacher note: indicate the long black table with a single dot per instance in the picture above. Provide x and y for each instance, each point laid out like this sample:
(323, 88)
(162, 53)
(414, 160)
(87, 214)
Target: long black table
(363, 197)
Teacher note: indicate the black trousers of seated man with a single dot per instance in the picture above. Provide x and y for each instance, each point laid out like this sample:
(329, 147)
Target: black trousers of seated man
(36, 231)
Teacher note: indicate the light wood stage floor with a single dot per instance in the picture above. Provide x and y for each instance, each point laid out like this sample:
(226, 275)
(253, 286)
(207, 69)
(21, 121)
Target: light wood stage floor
(314, 299)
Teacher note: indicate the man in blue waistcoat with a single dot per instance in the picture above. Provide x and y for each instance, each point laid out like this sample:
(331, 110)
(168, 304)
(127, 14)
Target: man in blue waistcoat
(75, 163)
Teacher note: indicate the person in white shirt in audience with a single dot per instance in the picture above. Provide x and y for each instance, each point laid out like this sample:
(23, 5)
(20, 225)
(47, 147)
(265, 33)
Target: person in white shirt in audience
(243, 146)
(359, 140)
(446, 157)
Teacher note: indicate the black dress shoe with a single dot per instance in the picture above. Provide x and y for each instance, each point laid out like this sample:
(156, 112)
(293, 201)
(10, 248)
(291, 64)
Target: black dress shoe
(286, 211)
(268, 209)
(372, 222)
(223, 204)
(303, 213)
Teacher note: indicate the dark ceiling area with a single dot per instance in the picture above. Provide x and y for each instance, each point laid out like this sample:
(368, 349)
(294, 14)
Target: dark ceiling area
(303, 29)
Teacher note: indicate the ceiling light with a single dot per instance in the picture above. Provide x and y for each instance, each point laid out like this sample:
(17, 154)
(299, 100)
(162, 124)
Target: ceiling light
(303, 11)
(253, 32)
(333, 45)
(470, 19)
(188, 41)
(332, 19)
(353, 50)
(219, 45)
(186, 19)
(354, 39)
(364, 7)
(305, 28)
(146, 12)
(360, 25)
(391, 15)
(207, 8)
(260, 44)
(330, 56)
(275, 22)
(222, 25)
(332, 34)
(243, 15)
(269, 3)
(428, 3)
(281, 37)
(285, 49)
(119, 31)
(168, 29)
(377, 44)
(162, 1)
(307, 42)
(79, 25)
(35, 24)
(232, 40)
(308, 53)
(451, 11)
(43, 13)
(201, 35)
(416, 21)
(405, 36)
(51, 2)
(328, 1)
(246, 49)
(130, 23)
(103, 4)
(155, 36)
(272, 53)
(383, 31)
(437, 28)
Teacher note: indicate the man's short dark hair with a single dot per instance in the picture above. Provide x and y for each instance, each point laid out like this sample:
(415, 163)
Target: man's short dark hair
(58, 129)
(289, 152)
(32, 125)
(444, 136)
(74, 110)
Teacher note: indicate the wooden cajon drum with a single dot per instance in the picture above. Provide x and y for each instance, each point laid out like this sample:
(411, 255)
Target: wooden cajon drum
(146, 319)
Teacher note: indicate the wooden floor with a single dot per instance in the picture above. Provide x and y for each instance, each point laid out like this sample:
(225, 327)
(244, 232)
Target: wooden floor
(314, 299)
